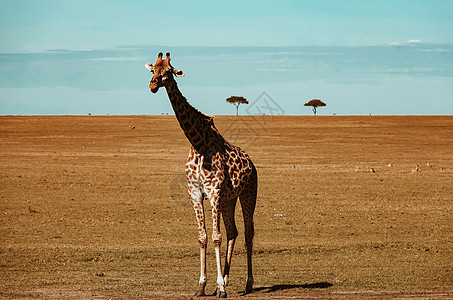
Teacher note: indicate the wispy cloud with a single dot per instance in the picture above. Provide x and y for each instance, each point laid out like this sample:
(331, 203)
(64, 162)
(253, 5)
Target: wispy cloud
(409, 42)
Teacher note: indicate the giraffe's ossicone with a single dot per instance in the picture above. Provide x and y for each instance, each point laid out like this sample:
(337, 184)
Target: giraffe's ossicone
(215, 170)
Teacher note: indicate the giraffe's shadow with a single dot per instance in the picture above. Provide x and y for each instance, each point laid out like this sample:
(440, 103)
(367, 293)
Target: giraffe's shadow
(281, 287)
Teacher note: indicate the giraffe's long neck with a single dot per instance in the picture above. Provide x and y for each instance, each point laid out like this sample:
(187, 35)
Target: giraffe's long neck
(198, 127)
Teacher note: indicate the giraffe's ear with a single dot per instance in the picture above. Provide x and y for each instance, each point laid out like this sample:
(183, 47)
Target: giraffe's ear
(149, 67)
(178, 73)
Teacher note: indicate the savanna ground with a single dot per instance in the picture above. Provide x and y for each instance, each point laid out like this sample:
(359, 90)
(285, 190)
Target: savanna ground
(96, 207)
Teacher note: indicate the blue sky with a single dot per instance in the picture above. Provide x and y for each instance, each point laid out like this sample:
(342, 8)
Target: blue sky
(75, 57)
(43, 25)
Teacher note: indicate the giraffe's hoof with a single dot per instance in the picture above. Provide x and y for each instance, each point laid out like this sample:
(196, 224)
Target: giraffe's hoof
(200, 290)
(219, 294)
(249, 286)
(222, 295)
(248, 289)
(199, 293)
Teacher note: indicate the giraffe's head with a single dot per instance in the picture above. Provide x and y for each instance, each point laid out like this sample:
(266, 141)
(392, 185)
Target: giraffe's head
(163, 72)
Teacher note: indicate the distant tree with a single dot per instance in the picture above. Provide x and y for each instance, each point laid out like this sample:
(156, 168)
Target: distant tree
(315, 103)
(236, 101)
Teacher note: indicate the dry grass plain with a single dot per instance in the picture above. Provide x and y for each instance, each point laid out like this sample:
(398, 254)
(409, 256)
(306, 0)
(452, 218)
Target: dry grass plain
(95, 206)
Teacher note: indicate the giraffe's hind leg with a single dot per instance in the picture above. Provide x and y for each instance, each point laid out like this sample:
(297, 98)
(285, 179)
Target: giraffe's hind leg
(228, 209)
(248, 203)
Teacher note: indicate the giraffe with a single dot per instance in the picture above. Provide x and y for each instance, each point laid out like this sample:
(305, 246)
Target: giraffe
(215, 170)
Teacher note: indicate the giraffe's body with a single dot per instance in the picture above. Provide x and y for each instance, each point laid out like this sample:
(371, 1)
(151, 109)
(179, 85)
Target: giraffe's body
(215, 170)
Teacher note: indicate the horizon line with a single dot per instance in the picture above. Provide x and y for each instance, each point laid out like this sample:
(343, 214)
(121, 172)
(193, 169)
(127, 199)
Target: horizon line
(220, 115)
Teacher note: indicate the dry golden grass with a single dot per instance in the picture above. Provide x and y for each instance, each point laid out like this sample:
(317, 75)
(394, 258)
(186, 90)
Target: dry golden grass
(96, 206)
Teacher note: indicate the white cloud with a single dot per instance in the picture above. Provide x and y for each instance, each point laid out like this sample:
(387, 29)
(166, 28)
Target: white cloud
(412, 41)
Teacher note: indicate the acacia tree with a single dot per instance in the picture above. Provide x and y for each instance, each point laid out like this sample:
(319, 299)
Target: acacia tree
(236, 101)
(315, 103)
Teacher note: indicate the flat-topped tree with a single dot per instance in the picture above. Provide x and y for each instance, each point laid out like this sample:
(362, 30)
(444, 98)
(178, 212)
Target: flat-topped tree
(236, 101)
(315, 103)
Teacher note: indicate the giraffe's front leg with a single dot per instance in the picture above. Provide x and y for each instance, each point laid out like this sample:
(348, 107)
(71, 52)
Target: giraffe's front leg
(217, 239)
(203, 279)
(197, 202)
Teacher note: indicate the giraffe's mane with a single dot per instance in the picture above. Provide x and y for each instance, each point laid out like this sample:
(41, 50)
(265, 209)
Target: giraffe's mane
(209, 118)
